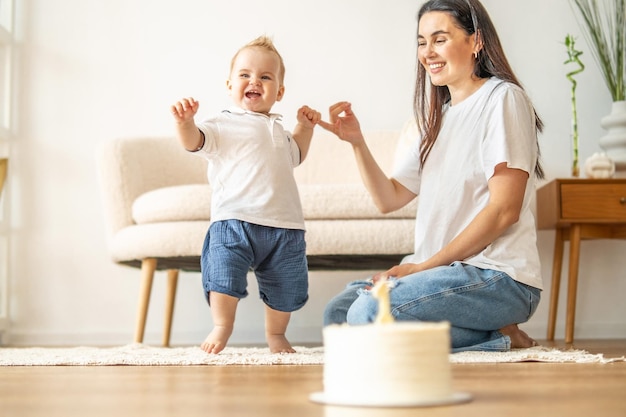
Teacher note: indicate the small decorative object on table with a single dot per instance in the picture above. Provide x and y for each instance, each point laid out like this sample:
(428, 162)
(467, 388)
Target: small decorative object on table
(599, 165)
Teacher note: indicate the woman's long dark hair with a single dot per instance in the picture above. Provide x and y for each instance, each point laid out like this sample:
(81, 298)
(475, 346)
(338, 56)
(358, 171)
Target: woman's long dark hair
(471, 17)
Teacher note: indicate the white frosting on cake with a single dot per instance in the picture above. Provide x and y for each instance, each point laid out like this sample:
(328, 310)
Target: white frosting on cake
(401, 363)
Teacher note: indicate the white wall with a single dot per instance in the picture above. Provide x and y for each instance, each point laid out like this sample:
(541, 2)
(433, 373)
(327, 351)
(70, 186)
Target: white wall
(93, 70)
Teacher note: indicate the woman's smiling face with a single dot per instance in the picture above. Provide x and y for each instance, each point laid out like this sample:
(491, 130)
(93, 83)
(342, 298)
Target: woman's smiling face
(445, 50)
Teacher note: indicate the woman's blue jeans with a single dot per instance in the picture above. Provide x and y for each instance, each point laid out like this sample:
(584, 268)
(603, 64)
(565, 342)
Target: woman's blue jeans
(477, 302)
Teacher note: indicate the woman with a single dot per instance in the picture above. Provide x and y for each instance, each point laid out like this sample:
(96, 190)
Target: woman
(476, 262)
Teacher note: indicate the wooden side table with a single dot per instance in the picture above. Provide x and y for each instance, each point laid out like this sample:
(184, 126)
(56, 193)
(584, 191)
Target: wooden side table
(4, 299)
(4, 164)
(578, 209)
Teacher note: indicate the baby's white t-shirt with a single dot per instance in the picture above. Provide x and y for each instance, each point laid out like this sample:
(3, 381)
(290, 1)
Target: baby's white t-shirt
(250, 169)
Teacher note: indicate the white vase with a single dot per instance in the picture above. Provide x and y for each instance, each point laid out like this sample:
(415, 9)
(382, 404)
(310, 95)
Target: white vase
(614, 143)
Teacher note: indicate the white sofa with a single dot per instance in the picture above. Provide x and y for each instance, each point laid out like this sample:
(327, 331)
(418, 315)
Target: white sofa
(157, 206)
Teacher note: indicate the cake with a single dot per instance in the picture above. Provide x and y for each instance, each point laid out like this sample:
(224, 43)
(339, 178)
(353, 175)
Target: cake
(384, 364)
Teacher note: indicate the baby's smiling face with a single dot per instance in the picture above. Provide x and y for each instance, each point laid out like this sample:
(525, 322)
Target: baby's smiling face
(255, 82)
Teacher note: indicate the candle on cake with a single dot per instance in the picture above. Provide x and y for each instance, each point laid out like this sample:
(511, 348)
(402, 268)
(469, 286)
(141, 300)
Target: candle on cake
(380, 291)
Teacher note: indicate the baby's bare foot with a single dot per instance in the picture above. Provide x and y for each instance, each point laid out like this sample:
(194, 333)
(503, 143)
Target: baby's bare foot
(278, 343)
(519, 338)
(216, 341)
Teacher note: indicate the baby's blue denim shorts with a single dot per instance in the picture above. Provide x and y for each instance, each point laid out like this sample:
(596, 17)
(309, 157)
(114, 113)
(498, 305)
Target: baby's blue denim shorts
(277, 257)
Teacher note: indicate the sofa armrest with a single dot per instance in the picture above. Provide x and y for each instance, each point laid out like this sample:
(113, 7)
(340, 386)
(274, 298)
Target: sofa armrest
(129, 167)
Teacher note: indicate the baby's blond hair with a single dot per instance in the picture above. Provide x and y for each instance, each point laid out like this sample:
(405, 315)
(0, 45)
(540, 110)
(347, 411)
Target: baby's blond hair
(266, 43)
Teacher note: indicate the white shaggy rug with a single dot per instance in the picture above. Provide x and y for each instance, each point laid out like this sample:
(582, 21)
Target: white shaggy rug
(139, 354)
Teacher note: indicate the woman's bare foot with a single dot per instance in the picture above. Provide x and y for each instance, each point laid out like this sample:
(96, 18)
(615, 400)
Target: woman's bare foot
(216, 341)
(519, 338)
(278, 343)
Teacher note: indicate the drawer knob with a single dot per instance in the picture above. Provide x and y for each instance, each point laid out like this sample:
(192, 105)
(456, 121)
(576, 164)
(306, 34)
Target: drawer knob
(622, 200)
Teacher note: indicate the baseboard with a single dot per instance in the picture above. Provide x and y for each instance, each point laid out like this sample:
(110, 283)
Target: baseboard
(581, 331)
(304, 336)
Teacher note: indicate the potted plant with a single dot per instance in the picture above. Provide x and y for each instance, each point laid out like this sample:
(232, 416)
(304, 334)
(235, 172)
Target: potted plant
(604, 26)
(573, 57)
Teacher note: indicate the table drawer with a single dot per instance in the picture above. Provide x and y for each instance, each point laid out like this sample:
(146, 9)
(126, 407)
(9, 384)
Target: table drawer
(594, 201)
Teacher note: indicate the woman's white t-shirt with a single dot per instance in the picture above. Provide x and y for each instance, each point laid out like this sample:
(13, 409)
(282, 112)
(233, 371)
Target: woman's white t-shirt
(496, 124)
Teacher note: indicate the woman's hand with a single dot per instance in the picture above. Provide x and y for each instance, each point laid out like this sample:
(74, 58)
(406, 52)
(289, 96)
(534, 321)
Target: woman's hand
(346, 127)
(398, 271)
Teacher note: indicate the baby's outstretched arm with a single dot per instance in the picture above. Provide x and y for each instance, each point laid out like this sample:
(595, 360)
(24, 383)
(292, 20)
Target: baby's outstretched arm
(188, 134)
(303, 132)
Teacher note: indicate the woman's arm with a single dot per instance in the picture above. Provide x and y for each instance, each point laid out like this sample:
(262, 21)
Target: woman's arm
(387, 193)
(506, 194)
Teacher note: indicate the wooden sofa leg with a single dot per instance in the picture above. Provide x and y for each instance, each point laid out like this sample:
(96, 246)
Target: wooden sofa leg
(170, 298)
(148, 266)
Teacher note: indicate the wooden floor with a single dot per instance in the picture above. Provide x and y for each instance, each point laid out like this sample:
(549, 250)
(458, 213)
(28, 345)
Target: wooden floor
(518, 389)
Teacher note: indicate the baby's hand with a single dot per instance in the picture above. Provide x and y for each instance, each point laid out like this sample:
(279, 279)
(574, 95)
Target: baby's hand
(308, 117)
(185, 109)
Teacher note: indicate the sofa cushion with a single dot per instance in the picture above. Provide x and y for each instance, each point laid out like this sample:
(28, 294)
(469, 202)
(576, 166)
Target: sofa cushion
(343, 202)
(172, 204)
(324, 237)
(319, 202)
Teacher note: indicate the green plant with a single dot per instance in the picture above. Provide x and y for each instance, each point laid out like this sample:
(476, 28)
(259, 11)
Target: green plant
(604, 27)
(573, 57)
